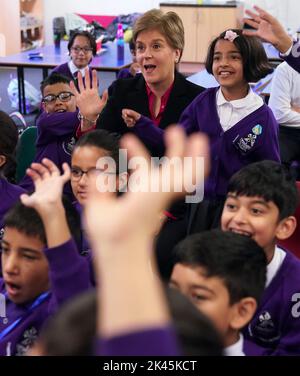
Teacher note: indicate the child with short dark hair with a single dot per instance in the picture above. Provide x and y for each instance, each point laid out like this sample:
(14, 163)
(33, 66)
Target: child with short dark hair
(37, 280)
(61, 123)
(261, 202)
(9, 193)
(224, 275)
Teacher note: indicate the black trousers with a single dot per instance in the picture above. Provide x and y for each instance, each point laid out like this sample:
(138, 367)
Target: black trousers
(289, 144)
(171, 234)
(200, 217)
(205, 216)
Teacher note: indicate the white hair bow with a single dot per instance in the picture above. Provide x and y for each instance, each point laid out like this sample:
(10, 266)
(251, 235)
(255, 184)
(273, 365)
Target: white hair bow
(230, 35)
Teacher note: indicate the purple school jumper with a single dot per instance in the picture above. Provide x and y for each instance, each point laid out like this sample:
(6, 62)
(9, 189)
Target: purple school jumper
(85, 251)
(275, 328)
(9, 195)
(85, 246)
(55, 141)
(293, 59)
(252, 139)
(148, 342)
(69, 277)
(124, 73)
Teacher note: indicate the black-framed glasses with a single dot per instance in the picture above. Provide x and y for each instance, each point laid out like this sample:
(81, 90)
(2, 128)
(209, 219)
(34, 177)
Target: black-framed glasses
(77, 173)
(85, 50)
(64, 96)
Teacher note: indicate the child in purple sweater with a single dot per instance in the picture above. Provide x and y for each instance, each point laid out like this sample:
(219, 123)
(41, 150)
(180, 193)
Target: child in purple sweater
(9, 193)
(82, 47)
(41, 266)
(224, 275)
(66, 116)
(261, 203)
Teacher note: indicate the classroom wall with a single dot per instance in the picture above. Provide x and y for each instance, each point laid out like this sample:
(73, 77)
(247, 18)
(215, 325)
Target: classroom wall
(287, 11)
(58, 8)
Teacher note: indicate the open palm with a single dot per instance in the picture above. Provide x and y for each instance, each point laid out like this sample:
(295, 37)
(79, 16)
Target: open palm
(267, 28)
(87, 97)
(110, 219)
(48, 183)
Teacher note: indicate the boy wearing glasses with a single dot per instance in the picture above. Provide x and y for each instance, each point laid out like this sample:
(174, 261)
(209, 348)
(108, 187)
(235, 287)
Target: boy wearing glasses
(61, 123)
(82, 47)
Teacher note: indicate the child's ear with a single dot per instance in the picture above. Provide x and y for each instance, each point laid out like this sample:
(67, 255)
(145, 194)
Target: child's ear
(44, 107)
(286, 228)
(243, 311)
(2, 160)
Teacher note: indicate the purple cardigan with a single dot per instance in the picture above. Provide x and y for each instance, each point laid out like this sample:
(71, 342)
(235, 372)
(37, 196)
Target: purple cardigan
(252, 139)
(56, 140)
(275, 328)
(148, 342)
(69, 277)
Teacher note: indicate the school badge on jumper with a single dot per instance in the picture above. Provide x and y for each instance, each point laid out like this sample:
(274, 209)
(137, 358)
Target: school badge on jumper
(29, 338)
(245, 144)
(68, 146)
(257, 130)
(263, 329)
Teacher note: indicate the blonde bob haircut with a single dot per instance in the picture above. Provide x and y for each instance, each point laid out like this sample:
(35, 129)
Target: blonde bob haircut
(168, 24)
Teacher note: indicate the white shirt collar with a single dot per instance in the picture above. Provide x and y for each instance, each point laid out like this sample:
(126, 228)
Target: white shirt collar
(275, 264)
(247, 101)
(236, 349)
(74, 69)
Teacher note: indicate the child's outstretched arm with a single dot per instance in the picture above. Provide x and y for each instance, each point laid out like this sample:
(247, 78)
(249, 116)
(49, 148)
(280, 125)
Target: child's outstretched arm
(268, 28)
(144, 128)
(51, 127)
(47, 200)
(88, 100)
(121, 231)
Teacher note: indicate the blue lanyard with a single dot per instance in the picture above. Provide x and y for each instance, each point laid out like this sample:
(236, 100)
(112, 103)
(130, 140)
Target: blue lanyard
(35, 304)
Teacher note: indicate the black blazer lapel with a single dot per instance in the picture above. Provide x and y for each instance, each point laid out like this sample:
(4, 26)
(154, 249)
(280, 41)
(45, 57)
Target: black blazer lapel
(180, 90)
(137, 98)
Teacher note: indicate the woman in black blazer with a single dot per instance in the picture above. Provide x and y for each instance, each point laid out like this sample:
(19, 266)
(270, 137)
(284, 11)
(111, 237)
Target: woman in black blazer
(159, 92)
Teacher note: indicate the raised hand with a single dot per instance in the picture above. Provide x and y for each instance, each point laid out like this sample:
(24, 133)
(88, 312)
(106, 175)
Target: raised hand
(134, 69)
(130, 117)
(47, 199)
(114, 218)
(48, 183)
(267, 28)
(87, 97)
(121, 231)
